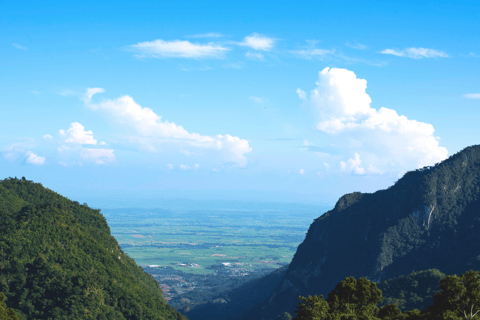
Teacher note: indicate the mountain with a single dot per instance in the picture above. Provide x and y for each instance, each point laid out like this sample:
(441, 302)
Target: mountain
(429, 219)
(58, 260)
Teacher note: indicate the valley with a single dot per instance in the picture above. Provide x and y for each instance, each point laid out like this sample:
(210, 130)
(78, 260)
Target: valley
(197, 254)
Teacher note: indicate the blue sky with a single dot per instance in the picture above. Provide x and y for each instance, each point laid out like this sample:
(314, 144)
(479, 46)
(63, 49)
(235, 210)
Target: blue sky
(251, 101)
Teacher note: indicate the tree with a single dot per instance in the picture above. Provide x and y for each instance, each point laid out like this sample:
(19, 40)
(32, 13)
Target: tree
(6, 313)
(355, 299)
(459, 297)
(311, 308)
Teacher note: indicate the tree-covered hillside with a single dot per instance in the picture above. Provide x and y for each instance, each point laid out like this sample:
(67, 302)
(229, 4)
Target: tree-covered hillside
(412, 291)
(58, 260)
(429, 219)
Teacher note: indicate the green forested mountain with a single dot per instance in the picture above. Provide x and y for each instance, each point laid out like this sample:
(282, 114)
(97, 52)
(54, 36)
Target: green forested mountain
(429, 219)
(58, 260)
(412, 291)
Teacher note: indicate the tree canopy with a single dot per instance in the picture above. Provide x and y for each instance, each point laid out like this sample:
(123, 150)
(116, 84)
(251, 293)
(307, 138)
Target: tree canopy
(58, 260)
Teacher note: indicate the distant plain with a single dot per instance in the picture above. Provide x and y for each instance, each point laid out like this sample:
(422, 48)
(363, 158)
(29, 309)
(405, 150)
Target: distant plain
(250, 239)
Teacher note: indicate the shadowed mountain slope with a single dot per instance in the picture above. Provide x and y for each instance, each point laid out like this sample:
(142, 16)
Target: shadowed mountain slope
(428, 219)
(58, 260)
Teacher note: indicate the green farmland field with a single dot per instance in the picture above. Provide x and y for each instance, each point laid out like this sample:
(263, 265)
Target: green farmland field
(202, 239)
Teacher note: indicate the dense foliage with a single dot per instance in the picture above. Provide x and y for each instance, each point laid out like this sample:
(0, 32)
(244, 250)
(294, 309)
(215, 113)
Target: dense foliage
(58, 260)
(458, 298)
(5, 312)
(412, 291)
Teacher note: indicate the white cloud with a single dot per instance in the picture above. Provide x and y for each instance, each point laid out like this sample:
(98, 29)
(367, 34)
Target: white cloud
(196, 166)
(385, 139)
(102, 143)
(206, 35)
(301, 171)
(307, 143)
(151, 132)
(356, 45)
(184, 167)
(472, 96)
(178, 49)
(353, 165)
(62, 163)
(18, 150)
(258, 42)
(170, 166)
(234, 65)
(97, 156)
(47, 137)
(90, 92)
(65, 92)
(416, 53)
(185, 152)
(312, 53)
(19, 46)
(258, 100)
(255, 56)
(77, 134)
(32, 158)
(301, 94)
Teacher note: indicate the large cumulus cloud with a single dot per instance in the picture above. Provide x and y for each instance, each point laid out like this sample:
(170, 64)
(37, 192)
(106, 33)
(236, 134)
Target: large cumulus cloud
(386, 139)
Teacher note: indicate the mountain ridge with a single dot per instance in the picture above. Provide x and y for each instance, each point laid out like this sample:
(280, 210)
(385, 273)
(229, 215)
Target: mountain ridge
(424, 221)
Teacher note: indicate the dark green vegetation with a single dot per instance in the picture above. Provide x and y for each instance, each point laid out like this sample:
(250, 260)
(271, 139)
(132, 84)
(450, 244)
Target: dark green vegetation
(458, 298)
(412, 291)
(429, 219)
(5, 312)
(59, 261)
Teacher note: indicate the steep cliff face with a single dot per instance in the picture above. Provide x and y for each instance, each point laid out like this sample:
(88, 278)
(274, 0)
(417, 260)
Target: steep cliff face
(428, 219)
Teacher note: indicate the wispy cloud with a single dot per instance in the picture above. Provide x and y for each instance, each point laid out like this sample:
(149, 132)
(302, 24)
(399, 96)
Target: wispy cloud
(234, 65)
(416, 53)
(184, 167)
(472, 96)
(19, 46)
(258, 42)
(184, 68)
(178, 49)
(206, 35)
(255, 56)
(356, 45)
(312, 53)
(65, 92)
(258, 100)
